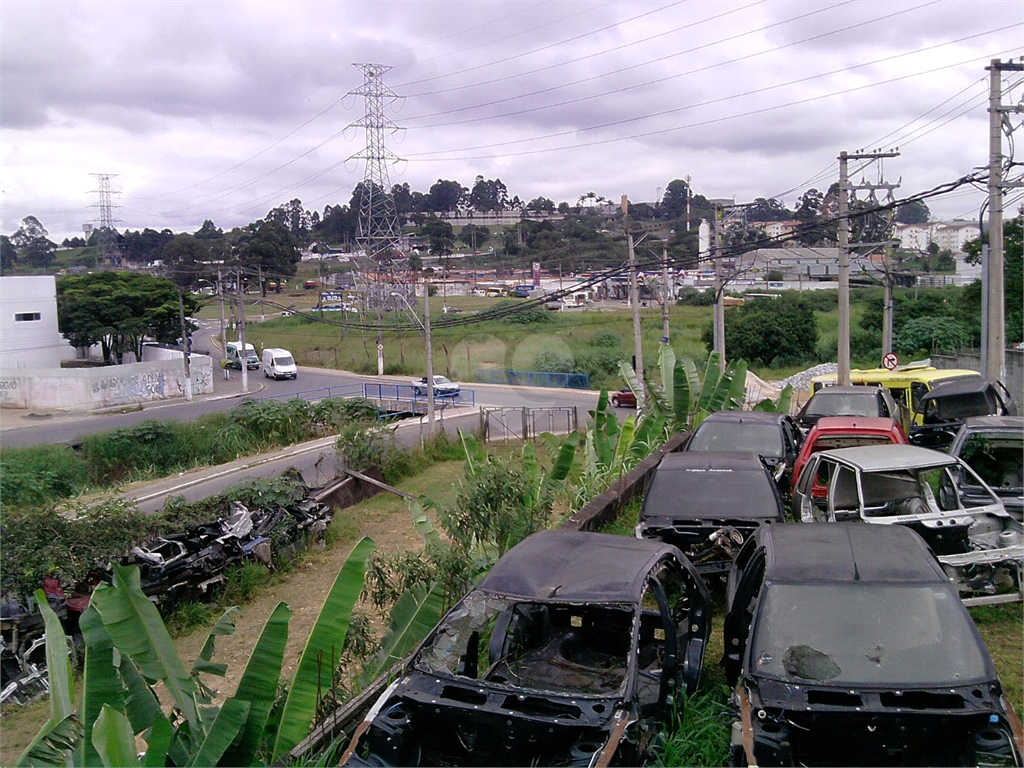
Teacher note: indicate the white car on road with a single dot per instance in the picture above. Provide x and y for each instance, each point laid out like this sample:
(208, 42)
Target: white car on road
(443, 387)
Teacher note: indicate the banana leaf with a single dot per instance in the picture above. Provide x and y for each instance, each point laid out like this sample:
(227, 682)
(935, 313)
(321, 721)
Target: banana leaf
(258, 686)
(683, 393)
(667, 366)
(54, 745)
(225, 626)
(720, 395)
(113, 739)
(648, 433)
(158, 741)
(100, 683)
(229, 721)
(421, 522)
(738, 391)
(138, 631)
(474, 455)
(414, 614)
(564, 460)
(140, 703)
(627, 372)
(624, 443)
(707, 387)
(327, 637)
(785, 399)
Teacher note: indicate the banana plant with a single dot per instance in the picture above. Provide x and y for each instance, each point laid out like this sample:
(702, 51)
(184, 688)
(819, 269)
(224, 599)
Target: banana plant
(128, 650)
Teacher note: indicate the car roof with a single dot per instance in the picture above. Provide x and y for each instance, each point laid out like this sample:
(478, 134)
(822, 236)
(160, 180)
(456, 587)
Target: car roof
(682, 460)
(966, 386)
(878, 458)
(759, 417)
(847, 552)
(848, 424)
(854, 390)
(994, 422)
(577, 566)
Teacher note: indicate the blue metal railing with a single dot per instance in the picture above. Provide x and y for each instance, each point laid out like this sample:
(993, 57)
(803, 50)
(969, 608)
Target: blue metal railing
(534, 378)
(323, 393)
(406, 393)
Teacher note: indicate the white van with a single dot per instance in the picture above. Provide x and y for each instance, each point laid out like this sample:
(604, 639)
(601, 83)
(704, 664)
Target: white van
(279, 364)
(233, 349)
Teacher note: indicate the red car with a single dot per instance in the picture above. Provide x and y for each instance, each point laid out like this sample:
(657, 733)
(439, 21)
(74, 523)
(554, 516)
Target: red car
(624, 398)
(846, 432)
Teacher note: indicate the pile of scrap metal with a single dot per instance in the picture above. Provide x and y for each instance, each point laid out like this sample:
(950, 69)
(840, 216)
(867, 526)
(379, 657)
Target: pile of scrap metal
(186, 565)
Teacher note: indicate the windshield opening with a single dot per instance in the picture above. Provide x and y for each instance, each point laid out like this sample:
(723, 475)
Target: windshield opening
(843, 404)
(759, 438)
(538, 646)
(865, 633)
(286, 360)
(997, 457)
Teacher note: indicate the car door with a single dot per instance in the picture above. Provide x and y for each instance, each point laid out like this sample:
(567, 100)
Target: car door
(744, 591)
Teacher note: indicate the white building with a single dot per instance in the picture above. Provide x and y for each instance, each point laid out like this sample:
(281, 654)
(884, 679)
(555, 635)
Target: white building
(28, 324)
(953, 236)
(913, 237)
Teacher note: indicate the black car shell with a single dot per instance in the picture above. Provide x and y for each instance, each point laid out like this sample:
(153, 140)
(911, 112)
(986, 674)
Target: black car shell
(993, 446)
(707, 503)
(855, 630)
(569, 652)
(775, 437)
(945, 408)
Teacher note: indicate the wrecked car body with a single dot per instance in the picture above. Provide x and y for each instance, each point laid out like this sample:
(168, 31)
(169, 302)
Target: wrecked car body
(993, 446)
(569, 652)
(980, 545)
(707, 503)
(186, 565)
(846, 645)
(946, 407)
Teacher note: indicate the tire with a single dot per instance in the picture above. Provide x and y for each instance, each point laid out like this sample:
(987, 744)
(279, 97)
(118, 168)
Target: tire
(615, 401)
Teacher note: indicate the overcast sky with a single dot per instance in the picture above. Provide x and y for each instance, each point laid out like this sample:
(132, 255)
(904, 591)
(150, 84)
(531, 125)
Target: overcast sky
(223, 110)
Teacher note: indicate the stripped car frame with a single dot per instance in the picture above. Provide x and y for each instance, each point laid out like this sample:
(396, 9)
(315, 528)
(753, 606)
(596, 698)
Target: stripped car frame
(571, 651)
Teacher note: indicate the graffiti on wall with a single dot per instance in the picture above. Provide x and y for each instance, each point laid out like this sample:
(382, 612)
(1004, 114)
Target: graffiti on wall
(130, 388)
(8, 390)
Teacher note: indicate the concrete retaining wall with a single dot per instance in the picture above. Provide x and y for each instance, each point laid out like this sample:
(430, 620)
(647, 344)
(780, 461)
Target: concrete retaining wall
(107, 387)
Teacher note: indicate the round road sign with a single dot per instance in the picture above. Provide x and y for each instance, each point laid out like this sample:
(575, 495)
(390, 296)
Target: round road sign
(890, 361)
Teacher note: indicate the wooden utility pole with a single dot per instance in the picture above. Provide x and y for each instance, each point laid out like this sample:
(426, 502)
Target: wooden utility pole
(634, 300)
(995, 320)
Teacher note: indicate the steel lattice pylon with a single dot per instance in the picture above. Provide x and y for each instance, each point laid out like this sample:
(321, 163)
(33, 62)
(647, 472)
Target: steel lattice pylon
(383, 266)
(107, 235)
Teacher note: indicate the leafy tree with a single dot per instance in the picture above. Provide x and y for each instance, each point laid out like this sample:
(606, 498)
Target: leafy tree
(33, 244)
(402, 196)
(73, 242)
(209, 231)
(184, 258)
(932, 334)
(489, 195)
(119, 311)
(268, 244)
(293, 217)
(768, 210)
(673, 202)
(337, 225)
(145, 245)
(913, 212)
(1013, 282)
(8, 253)
(542, 205)
(440, 235)
(564, 208)
(767, 329)
(446, 196)
(474, 236)
(808, 213)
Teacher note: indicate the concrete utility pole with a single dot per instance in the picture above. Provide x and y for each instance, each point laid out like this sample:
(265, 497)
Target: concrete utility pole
(243, 356)
(844, 272)
(995, 320)
(887, 302)
(430, 358)
(719, 329)
(184, 345)
(223, 334)
(666, 291)
(634, 300)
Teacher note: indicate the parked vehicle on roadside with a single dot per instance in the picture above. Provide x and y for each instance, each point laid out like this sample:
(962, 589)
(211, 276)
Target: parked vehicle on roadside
(993, 446)
(846, 645)
(570, 651)
(443, 387)
(848, 401)
(775, 437)
(832, 432)
(279, 364)
(707, 504)
(624, 398)
(946, 406)
(980, 545)
(235, 356)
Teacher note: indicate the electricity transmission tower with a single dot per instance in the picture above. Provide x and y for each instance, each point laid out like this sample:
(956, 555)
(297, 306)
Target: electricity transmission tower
(384, 265)
(106, 235)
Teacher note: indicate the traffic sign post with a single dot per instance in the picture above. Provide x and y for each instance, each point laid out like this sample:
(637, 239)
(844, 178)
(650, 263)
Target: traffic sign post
(890, 361)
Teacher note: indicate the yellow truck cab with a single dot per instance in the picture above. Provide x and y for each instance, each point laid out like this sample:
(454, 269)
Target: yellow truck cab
(908, 384)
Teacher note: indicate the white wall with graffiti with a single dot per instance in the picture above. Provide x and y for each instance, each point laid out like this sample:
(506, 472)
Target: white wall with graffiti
(110, 386)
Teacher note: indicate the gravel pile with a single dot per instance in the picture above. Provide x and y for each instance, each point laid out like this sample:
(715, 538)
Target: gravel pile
(802, 380)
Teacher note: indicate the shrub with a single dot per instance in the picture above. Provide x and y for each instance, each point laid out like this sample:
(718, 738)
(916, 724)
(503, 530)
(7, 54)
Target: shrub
(930, 334)
(37, 475)
(517, 311)
(769, 329)
(604, 339)
(553, 362)
(362, 446)
(695, 297)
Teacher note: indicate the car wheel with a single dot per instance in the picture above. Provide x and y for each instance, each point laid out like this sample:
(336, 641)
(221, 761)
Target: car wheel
(615, 401)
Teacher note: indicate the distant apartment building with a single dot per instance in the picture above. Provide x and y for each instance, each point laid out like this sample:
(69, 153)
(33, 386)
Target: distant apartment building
(949, 236)
(29, 337)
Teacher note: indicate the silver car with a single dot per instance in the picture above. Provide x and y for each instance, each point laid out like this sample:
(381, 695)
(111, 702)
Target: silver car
(979, 544)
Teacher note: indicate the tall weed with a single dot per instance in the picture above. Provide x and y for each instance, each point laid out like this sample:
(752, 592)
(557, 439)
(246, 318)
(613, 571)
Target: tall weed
(32, 477)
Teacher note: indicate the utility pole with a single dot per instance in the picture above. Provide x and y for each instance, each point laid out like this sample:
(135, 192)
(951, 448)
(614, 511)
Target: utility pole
(430, 358)
(223, 334)
(243, 355)
(666, 293)
(719, 329)
(995, 320)
(845, 189)
(634, 300)
(688, 196)
(184, 346)
(263, 290)
(887, 302)
(844, 272)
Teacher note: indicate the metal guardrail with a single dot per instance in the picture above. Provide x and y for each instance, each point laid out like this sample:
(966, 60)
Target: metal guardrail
(406, 393)
(323, 393)
(534, 378)
(522, 423)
